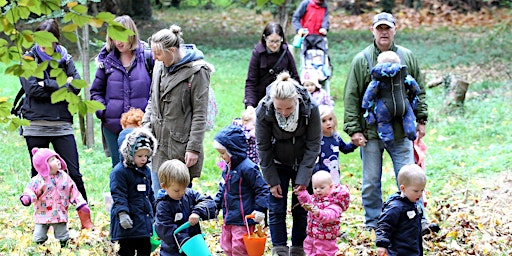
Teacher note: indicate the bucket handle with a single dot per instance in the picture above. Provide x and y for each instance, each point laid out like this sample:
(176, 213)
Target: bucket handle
(180, 228)
(250, 216)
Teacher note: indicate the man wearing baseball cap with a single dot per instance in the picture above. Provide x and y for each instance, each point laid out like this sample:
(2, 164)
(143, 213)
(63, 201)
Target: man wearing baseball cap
(365, 136)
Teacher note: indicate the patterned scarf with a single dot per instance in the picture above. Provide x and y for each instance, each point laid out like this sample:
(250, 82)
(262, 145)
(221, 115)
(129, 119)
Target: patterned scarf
(289, 124)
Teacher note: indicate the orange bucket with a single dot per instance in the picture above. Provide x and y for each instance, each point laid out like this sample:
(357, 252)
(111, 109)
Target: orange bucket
(255, 246)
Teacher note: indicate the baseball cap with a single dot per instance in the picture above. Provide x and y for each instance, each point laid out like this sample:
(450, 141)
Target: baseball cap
(383, 18)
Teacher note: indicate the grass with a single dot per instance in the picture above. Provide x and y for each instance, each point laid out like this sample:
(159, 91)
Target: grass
(465, 149)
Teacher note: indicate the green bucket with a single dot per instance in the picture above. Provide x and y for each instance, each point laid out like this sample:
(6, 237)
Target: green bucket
(154, 240)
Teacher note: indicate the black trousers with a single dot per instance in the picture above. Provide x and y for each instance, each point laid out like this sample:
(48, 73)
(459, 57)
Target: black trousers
(127, 247)
(65, 146)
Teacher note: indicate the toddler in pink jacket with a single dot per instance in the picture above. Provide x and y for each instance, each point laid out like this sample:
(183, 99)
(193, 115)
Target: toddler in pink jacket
(52, 191)
(324, 207)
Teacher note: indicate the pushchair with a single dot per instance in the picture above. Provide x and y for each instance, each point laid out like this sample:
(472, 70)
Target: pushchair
(314, 55)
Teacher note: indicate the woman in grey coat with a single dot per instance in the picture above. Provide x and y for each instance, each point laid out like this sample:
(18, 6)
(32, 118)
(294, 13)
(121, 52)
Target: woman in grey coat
(288, 135)
(176, 111)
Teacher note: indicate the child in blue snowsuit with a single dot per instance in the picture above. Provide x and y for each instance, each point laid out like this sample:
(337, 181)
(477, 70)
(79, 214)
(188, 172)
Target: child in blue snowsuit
(391, 94)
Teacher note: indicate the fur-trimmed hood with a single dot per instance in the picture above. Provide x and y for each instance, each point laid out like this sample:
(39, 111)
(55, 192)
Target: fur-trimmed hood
(127, 147)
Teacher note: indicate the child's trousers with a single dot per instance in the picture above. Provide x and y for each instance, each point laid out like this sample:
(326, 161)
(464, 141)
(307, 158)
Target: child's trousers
(60, 231)
(231, 240)
(314, 246)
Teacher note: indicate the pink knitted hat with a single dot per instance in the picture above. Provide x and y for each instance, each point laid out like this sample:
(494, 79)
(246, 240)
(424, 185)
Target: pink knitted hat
(40, 158)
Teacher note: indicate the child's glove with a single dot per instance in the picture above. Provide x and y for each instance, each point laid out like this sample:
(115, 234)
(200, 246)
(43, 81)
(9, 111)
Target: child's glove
(258, 216)
(25, 200)
(84, 213)
(125, 220)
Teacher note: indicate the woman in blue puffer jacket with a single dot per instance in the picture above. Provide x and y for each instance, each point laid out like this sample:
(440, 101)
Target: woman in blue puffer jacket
(123, 81)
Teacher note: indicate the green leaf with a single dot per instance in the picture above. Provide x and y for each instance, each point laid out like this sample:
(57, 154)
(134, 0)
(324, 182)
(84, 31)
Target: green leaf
(93, 105)
(72, 108)
(45, 38)
(80, 9)
(81, 20)
(72, 98)
(261, 2)
(71, 36)
(59, 95)
(117, 32)
(79, 83)
(49, 6)
(82, 108)
(69, 28)
(106, 16)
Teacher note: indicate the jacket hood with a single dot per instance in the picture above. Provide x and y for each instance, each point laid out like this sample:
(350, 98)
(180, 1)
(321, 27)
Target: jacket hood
(132, 141)
(386, 70)
(233, 139)
(394, 197)
(190, 53)
(40, 158)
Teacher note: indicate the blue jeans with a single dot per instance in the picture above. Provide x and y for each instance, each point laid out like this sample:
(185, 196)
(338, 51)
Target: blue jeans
(401, 153)
(277, 211)
(113, 147)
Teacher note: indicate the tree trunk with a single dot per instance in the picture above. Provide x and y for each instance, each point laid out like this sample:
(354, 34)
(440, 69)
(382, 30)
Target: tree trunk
(456, 89)
(455, 92)
(87, 126)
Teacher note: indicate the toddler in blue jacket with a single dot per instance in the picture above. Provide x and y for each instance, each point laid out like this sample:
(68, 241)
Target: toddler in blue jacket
(176, 204)
(399, 226)
(242, 191)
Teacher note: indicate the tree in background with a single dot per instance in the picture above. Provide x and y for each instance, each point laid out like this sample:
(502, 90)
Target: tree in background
(15, 41)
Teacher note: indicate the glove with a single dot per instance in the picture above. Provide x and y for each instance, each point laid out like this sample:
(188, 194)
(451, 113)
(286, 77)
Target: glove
(25, 200)
(259, 217)
(84, 213)
(125, 220)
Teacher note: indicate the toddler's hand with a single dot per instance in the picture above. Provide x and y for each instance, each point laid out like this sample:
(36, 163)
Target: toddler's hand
(193, 219)
(258, 216)
(382, 251)
(323, 31)
(25, 200)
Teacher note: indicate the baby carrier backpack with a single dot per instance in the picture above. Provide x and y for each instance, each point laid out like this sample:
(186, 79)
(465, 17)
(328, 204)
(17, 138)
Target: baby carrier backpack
(392, 91)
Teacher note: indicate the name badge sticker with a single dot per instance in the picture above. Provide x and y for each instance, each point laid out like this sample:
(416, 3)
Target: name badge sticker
(141, 187)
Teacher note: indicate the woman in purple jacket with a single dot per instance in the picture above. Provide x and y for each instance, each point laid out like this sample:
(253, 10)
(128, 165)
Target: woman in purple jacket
(123, 81)
(270, 57)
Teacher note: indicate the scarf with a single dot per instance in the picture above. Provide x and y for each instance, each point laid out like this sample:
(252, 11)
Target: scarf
(58, 49)
(289, 124)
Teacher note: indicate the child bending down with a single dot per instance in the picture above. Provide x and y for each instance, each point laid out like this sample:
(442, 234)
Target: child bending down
(242, 191)
(177, 204)
(131, 216)
(399, 226)
(324, 207)
(52, 191)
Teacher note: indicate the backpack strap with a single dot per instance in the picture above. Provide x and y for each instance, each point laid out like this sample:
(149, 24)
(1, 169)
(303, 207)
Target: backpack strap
(148, 62)
(17, 103)
(271, 71)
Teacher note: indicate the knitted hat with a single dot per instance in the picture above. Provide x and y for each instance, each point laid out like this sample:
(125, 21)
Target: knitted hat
(143, 142)
(137, 139)
(310, 75)
(40, 158)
